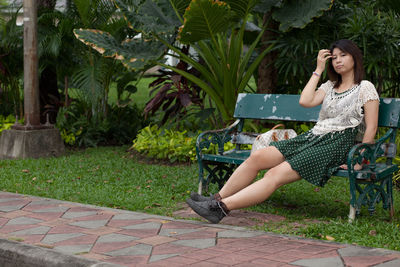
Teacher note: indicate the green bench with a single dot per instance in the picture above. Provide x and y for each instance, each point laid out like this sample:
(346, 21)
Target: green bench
(368, 186)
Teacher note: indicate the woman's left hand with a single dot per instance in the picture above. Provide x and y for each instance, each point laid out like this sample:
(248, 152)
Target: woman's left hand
(357, 167)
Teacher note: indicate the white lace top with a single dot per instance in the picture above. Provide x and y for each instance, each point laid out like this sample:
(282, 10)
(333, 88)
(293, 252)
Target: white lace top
(340, 111)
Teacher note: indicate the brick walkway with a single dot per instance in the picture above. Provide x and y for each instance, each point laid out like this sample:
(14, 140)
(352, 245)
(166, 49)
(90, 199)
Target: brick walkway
(137, 239)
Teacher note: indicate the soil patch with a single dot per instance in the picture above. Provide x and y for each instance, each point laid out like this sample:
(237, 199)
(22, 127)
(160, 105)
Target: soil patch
(242, 218)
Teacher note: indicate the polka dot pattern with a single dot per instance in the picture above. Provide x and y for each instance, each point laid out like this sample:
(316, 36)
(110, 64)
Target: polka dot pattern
(315, 157)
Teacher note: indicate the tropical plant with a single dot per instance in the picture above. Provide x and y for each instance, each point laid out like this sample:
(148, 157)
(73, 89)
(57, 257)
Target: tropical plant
(79, 127)
(226, 69)
(280, 17)
(11, 63)
(214, 29)
(372, 28)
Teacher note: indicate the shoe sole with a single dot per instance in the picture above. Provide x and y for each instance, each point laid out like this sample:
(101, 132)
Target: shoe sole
(198, 209)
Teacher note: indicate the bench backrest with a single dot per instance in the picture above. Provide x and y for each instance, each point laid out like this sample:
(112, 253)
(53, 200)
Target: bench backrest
(287, 108)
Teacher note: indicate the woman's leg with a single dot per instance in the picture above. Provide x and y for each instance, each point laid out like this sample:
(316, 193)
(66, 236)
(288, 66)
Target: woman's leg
(247, 171)
(262, 189)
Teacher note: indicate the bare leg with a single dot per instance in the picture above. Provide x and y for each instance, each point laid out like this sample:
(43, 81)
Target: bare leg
(262, 189)
(247, 171)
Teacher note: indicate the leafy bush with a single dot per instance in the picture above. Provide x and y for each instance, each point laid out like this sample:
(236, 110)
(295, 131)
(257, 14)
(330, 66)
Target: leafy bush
(171, 145)
(6, 122)
(165, 144)
(120, 125)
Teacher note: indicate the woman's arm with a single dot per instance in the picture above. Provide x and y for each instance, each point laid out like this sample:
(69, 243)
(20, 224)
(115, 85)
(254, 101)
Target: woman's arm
(371, 109)
(309, 97)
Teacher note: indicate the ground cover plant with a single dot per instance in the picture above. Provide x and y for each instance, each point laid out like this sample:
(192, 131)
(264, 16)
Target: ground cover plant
(113, 177)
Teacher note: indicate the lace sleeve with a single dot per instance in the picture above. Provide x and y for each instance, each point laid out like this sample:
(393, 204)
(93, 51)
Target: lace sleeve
(368, 92)
(326, 86)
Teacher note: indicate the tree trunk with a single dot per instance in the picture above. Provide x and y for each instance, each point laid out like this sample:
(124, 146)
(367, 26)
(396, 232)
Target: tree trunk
(267, 73)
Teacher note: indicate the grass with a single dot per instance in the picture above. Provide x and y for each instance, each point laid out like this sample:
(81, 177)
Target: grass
(112, 177)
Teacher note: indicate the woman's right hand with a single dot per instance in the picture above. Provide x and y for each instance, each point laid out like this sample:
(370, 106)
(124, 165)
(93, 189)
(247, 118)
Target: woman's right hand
(323, 56)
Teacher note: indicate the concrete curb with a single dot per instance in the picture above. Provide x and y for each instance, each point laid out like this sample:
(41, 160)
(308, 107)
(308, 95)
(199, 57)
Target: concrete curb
(15, 254)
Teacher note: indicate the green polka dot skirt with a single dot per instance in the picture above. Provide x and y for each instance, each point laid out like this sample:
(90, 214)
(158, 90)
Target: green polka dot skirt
(314, 157)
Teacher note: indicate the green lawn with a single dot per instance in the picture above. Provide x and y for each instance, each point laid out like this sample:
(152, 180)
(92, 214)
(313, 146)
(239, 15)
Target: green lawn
(111, 177)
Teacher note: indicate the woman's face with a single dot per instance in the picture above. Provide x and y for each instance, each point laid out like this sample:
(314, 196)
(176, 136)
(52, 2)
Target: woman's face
(342, 62)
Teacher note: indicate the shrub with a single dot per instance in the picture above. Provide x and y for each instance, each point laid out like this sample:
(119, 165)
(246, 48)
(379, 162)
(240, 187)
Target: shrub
(165, 144)
(120, 125)
(6, 122)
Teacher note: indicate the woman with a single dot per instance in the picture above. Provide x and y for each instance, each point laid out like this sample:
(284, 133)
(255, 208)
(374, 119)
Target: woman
(349, 108)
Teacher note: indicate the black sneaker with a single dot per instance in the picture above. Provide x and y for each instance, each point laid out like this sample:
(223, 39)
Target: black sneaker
(199, 198)
(210, 210)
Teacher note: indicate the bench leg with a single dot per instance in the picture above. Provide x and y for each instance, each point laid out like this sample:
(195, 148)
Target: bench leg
(389, 188)
(353, 200)
(352, 213)
(201, 177)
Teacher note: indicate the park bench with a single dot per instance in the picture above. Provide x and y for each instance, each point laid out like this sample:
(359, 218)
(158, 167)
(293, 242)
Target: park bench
(368, 186)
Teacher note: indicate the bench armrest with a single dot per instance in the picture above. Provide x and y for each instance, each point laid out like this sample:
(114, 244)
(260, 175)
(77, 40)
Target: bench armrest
(370, 152)
(218, 137)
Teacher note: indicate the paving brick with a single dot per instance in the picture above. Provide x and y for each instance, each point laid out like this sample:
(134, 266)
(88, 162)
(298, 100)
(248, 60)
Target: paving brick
(132, 216)
(97, 216)
(318, 262)
(79, 240)
(13, 207)
(15, 214)
(128, 260)
(237, 234)
(95, 256)
(197, 234)
(3, 221)
(55, 222)
(361, 261)
(139, 233)
(155, 258)
(107, 247)
(65, 229)
(392, 263)
(282, 257)
(175, 232)
(359, 251)
(74, 249)
(139, 249)
(230, 259)
(9, 199)
(156, 240)
(46, 216)
(171, 248)
(14, 202)
(23, 220)
(7, 229)
(109, 238)
(122, 223)
(208, 264)
(180, 225)
(202, 254)
(31, 239)
(100, 231)
(177, 261)
(76, 214)
(39, 230)
(269, 263)
(54, 238)
(143, 226)
(90, 224)
(196, 243)
(75, 207)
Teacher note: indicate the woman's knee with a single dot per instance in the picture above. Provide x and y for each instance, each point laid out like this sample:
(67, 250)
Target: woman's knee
(281, 175)
(265, 158)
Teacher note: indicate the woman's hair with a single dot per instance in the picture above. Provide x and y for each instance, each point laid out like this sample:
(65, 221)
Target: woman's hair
(351, 48)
